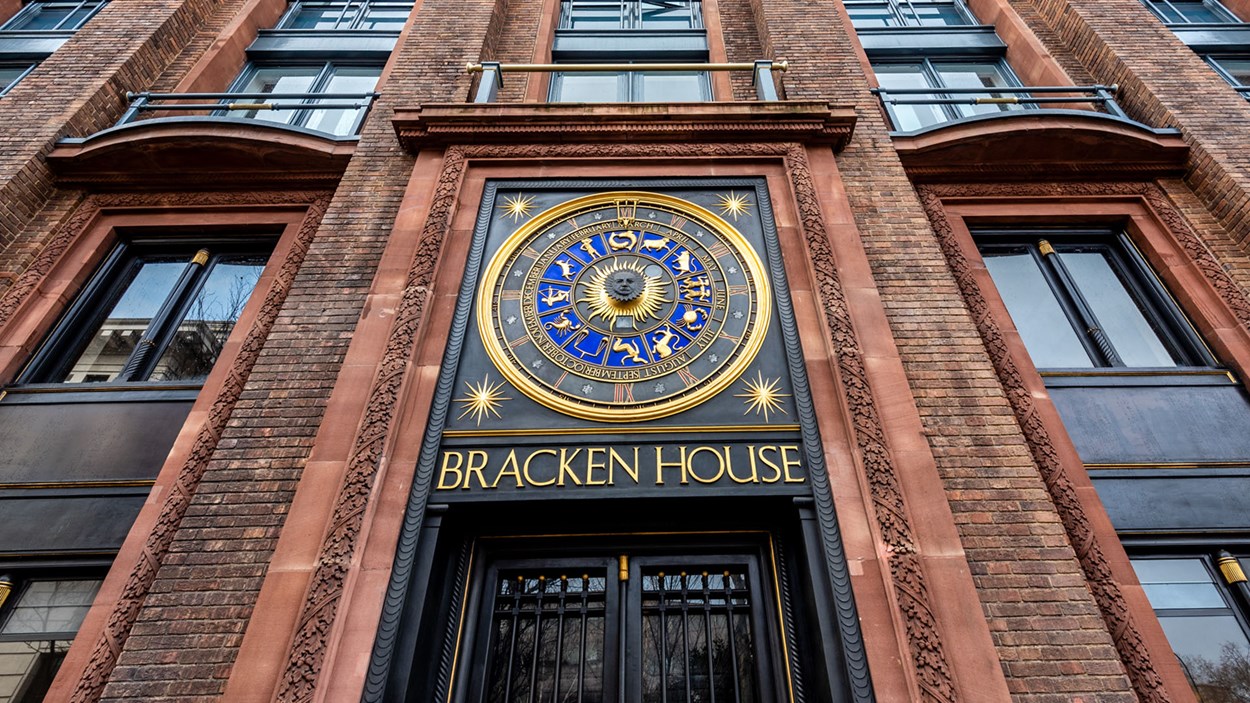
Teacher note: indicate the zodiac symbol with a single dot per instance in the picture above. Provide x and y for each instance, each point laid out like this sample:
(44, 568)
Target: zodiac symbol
(692, 319)
(656, 244)
(662, 339)
(589, 248)
(598, 347)
(562, 325)
(630, 349)
(622, 240)
(552, 296)
(566, 268)
(696, 288)
(683, 262)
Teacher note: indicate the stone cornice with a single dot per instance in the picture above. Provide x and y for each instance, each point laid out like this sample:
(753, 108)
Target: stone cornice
(804, 121)
(1041, 145)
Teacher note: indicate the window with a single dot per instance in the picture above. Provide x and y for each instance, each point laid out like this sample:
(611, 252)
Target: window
(668, 628)
(38, 622)
(11, 73)
(630, 31)
(52, 16)
(340, 16)
(631, 86)
(1191, 11)
(631, 14)
(1235, 70)
(867, 14)
(307, 80)
(157, 311)
(1086, 299)
(942, 74)
(1203, 622)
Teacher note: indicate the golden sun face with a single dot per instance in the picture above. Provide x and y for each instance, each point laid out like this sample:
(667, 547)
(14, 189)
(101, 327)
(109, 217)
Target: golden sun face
(622, 290)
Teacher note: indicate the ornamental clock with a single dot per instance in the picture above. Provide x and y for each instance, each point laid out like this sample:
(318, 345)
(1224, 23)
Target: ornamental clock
(623, 306)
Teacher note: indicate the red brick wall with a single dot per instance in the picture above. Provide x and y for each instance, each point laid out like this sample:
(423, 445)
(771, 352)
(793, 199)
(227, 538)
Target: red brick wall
(184, 642)
(1047, 629)
(1164, 84)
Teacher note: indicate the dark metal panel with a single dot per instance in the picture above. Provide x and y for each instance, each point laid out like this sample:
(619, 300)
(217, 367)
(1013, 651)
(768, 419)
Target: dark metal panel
(58, 524)
(938, 41)
(358, 45)
(47, 442)
(576, 45)
(1208, 503)
(35, 46)
(1213, 37)
(1156, 424)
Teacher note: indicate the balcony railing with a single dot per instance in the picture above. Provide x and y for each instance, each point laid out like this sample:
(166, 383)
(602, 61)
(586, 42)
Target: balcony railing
(954, 104)
(299, 108)
(492, 73)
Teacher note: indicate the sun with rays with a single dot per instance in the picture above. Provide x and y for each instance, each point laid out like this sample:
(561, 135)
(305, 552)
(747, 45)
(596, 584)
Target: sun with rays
(763, 396)
(483, 400)
(622, 290)
(517, 207)
(734, 205)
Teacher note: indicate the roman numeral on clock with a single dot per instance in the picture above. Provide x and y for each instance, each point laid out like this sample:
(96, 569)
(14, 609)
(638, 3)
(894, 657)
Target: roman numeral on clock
(687, 377)
(624, 393)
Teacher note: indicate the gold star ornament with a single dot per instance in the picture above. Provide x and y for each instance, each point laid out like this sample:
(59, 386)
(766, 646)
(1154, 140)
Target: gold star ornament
(763, 396)
(517, 207)
(734, 205)
(483, 400)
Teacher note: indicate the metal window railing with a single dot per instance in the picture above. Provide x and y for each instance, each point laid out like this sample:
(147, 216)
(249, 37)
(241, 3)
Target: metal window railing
(298, 103)
(492, 73)
(1100, 96)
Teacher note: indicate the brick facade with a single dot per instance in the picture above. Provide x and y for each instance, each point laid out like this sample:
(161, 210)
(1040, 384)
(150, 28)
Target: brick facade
(219, 601)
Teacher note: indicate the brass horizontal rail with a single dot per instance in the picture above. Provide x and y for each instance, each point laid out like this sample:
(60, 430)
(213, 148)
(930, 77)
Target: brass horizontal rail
(593, 67)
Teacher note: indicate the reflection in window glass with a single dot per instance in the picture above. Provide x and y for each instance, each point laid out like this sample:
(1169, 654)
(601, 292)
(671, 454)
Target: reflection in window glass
(1200, 625)
(209, 320)
(673, 87)
(1036, 312)
(278, 79)
(37, 632)
(974, 75)
(905, 75)
(52, 16)
(1135, 339)
(152, 316)
(118, 334)
(1191, 11)
(589, 87)
(10, 74)
(866, 14)
(50, 607)
(344, 79)
(338, 16)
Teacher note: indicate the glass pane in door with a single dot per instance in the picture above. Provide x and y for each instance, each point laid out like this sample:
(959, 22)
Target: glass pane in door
(547, 638)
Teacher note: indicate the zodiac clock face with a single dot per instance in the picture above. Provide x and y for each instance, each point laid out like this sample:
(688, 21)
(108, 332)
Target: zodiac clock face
(624, 306)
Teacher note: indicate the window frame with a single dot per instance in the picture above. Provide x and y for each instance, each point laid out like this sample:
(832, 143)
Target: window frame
(631, 16)
(326, 72)
(1173, 329)
(26, 66)
(353, 23)
(63, 345)
(1208, 554)
(895, 9)
(1214, 5)
(24, 574)
(629, 85)
(30, 9)
(933, 77)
